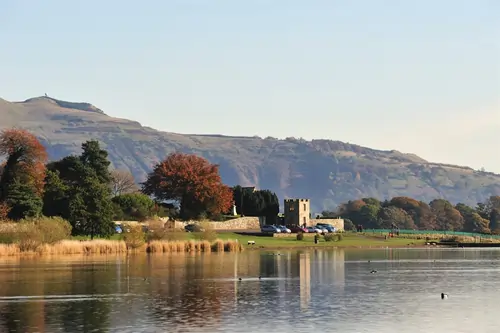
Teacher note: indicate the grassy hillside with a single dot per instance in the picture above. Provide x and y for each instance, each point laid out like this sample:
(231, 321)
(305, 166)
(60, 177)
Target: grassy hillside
(328, 172)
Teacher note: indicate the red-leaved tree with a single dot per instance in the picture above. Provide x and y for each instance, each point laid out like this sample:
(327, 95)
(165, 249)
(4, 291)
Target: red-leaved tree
(193, 182)
(26, 158)
(4, 211)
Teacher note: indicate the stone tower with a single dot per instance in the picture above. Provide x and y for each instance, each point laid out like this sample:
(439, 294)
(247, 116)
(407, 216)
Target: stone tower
(297, 212)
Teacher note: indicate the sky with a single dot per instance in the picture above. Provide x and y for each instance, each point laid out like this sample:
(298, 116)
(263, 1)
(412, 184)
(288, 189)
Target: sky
(420, 77)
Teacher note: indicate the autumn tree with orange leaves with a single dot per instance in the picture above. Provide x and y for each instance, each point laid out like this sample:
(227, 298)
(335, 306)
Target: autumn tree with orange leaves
(191, 181)
(23, 174)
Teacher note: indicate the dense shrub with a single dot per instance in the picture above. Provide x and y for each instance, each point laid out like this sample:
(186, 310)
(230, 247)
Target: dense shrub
(30, 234)
(207, 233)
(132, 207)
(8, 232)
(157, 230)
(134, 236)
(52, 229)
(333, 237)
(348, 225)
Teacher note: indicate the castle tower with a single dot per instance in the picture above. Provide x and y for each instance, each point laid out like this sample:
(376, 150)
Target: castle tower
(297, 212)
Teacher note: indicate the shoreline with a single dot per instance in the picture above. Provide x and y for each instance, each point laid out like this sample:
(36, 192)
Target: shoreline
(329, 247)
(226, 243)
(144, 251)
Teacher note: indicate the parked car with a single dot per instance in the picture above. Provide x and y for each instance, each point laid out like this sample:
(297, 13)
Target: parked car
(327, 227)
(314, 230)
(270, 229)
(284, 229)
(297, 229)
(323, 229)
(193, 228)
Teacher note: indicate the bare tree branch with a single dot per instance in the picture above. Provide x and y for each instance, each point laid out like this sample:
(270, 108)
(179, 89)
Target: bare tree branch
(122, 182)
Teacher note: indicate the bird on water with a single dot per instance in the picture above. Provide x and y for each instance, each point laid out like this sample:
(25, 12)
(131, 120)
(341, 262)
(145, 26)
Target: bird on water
(444, 296)
(373, 271)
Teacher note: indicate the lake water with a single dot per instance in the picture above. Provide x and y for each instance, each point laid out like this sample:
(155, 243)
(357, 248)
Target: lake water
(300, 291)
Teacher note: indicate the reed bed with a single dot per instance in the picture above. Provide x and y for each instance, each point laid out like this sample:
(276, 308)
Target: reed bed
(194, 246)
(74, 247)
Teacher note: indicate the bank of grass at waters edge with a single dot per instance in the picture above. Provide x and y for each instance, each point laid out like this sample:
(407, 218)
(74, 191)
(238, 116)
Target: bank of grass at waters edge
(195, 243)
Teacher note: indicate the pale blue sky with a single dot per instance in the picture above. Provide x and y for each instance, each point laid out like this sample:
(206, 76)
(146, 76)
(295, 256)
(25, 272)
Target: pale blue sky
(416, 76)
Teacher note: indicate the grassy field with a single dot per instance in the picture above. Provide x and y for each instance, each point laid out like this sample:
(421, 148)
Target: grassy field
(266, 242)
(348, 240)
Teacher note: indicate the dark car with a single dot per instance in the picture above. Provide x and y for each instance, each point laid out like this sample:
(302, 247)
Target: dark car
(193, 228)
(296, 229)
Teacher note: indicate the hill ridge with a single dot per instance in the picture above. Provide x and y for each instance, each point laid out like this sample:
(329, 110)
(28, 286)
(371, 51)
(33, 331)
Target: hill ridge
(82, 106)
(326, 171)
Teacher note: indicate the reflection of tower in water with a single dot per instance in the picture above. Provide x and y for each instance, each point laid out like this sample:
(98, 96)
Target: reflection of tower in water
(235, 274)
(339, 268)
(305, 279)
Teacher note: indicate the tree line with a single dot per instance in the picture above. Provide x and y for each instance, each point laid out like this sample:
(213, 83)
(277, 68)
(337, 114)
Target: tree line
(408, 213)
(250, 202)
(84, 191)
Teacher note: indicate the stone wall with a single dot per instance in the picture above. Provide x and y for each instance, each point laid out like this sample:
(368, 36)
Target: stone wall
(241, 223)
(293, 235)
(337, 223)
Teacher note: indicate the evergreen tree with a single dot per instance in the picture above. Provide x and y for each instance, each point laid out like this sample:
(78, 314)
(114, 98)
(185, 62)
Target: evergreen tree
(78, 190)
(97, 159)
(23, 202)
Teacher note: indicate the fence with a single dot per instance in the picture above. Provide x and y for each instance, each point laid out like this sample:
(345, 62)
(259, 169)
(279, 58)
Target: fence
(432, 232)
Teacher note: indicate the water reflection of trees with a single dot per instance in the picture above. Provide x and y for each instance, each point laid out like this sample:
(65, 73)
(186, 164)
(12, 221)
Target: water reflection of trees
(38, 278)
(194, 291)
(164, 291)
(89, 315)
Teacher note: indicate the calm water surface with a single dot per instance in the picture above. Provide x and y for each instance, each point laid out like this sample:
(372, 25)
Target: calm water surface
(300, 291)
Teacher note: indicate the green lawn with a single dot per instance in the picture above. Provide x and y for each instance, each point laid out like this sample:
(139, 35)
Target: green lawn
(348, 240)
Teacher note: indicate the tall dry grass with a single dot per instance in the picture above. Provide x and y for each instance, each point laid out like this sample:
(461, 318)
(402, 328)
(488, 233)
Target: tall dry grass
(194, 246)
(66, 247)
(73, 247)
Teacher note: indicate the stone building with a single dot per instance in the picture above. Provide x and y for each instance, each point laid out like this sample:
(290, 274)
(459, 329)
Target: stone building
(297, 212)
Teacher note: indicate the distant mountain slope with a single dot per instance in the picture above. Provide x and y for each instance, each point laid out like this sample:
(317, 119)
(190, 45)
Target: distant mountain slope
(328, 172)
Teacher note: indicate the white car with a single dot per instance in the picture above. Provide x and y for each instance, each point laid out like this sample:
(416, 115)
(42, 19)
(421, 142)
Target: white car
(284, 229)
(314, 230)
